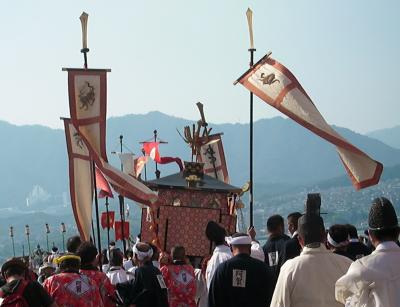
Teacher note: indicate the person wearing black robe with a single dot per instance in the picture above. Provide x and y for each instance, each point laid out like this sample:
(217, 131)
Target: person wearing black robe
(337, 240)
(241, 280)
(148, 288)
(275, 245)
(356, 249)
(292, 246)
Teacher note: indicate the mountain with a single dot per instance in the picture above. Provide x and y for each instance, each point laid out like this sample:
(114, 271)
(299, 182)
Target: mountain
(390, 136)
(34, 159)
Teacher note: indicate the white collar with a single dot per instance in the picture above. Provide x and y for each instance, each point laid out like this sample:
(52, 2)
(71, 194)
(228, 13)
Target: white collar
(294, 234)
(354, 240)
(319, 250)
(221, 249)
(387, 245)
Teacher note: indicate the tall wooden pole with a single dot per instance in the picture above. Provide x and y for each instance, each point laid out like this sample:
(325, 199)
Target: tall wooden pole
(108, 225)
(249, 15)
(85, 50)
(122, 203)
(12, 239)
(157, 172)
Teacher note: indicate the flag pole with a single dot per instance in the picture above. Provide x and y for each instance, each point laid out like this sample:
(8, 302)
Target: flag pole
(157, 172)
(249, 15)
(121, 202)
(12, 239)
(84, 21)
(108, 225)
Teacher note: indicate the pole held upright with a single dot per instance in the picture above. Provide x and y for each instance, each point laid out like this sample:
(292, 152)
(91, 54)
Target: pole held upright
(249, 14)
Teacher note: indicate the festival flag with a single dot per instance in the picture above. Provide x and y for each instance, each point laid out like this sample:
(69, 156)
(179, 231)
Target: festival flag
(80, 180)
(167, 160)
(277, 86)
(213, 156)
(111, 217)
(87, 90)
(102, 185)
(128, 163)
(140, 162)
(151, 150)
(118, 230)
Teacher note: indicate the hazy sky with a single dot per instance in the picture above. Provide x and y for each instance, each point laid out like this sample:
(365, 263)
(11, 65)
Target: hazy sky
(167, 55)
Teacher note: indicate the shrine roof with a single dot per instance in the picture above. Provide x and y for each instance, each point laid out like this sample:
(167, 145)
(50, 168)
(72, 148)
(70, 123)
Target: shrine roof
(207, 183)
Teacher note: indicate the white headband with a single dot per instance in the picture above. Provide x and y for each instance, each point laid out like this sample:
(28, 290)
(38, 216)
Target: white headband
(142, 255)
(242, 240)
(334, 243)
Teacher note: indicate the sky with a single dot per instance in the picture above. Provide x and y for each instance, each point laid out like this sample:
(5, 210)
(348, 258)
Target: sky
(167, 55)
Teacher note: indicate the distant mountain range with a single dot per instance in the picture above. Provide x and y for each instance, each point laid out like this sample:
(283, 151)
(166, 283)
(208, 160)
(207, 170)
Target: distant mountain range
(33, 159)
(390, 136)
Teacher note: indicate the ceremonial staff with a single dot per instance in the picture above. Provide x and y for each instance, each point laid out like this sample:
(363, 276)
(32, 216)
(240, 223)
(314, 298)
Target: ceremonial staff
(47, 236)
(85, 50)
(121, 202)
(12, 238)
(63, 231)
(249, 15)
(108, 224)
(27, 232)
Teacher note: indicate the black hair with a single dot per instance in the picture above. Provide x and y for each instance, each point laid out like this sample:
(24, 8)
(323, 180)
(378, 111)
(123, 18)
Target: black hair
(70, 265)
(156, 252)
(215, 233)
(14, 270)
(294, 215)
(178, 253)
(390, 234)
(352, 231)
(274, 222)
(338, 233)
(73, 244)
(88, 252)
(311, 229)
(128, 253)
(116, 257)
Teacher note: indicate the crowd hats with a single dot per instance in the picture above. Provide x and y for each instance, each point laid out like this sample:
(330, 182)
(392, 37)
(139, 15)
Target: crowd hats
(382, 215)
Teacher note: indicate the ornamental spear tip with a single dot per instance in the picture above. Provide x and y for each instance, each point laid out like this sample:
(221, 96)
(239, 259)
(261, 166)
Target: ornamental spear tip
(249, 14)
(84, 21)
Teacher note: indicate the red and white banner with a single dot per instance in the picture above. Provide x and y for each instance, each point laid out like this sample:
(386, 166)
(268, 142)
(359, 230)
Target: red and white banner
(213, 156)
(140, 162)
(87, 90)
(277, 86)
(118, 230)
(151, 150)
(102, 185)
(111, 219)
(80, 180)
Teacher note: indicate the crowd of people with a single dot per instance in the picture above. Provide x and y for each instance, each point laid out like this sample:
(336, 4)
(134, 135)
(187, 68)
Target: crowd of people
(314, 266)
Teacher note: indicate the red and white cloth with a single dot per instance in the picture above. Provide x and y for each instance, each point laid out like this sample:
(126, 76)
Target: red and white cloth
(73, 289)
(181, 284)
(277, 86)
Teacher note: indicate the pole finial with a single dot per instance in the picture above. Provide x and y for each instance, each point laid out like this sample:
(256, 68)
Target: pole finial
(84, 22)
(249, 14)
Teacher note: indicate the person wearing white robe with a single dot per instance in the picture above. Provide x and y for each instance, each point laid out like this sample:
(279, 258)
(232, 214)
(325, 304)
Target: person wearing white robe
(374, 280)
(309, 280)
(216, 233)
